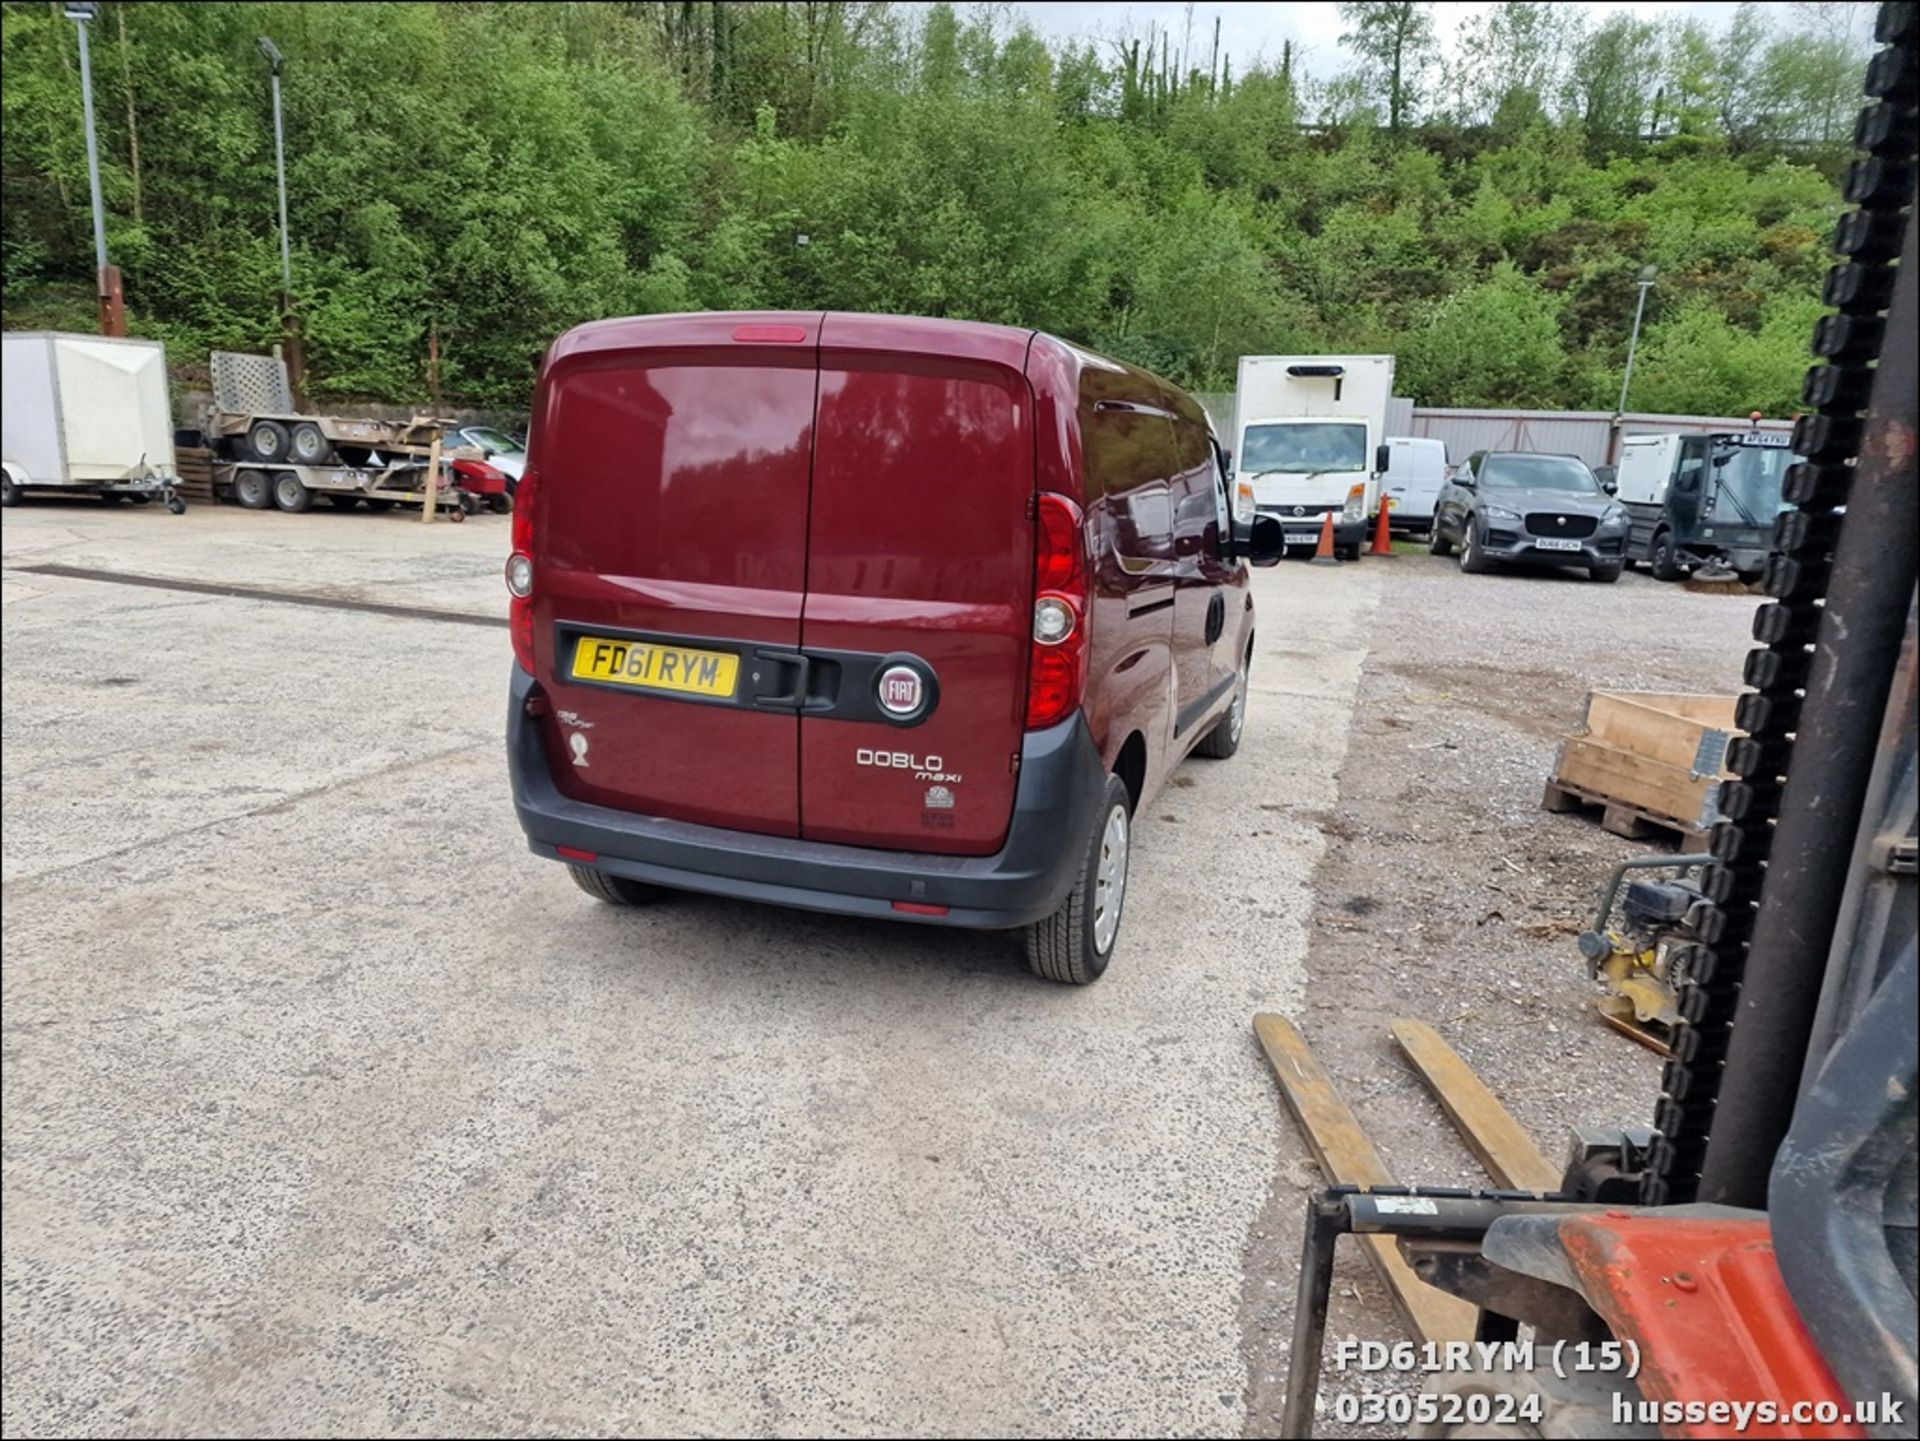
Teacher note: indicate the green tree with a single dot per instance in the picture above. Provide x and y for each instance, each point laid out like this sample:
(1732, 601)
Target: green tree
(1394, 42)
(1497, 343)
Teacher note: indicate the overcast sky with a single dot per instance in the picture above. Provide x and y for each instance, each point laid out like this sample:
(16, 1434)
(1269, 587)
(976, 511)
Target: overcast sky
(1249, 28)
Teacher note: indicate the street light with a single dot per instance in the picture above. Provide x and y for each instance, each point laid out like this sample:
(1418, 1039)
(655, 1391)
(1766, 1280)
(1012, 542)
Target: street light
(1645, 282)
(296, 366)
(113, 311)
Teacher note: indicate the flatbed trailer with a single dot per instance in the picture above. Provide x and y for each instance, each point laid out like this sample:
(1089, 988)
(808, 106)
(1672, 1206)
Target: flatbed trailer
(294, 488)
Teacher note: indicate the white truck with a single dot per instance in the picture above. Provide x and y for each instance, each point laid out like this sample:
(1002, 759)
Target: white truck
(1306, 430)
(87, 415)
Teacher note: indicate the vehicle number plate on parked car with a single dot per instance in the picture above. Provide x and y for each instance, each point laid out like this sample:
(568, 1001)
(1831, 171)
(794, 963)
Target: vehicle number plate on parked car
(1556, 543)
(1302, 537)
(650, 666)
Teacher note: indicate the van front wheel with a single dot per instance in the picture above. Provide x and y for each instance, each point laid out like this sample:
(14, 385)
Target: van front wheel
(1074, 944)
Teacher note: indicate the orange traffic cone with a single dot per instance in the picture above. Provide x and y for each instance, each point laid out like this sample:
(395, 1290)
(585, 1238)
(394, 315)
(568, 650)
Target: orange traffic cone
(1323, 553)
(1383, 534)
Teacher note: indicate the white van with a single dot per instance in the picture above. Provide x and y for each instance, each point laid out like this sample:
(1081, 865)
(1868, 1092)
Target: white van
(1412, 470)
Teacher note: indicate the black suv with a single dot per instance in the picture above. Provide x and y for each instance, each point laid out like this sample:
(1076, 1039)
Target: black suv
(1508, 506)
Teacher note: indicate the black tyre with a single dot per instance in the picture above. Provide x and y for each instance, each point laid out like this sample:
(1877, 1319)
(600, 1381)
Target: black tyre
(1347, 552)
(309, 444)
(252, 489)
(1438, 544)
(177, 506)
(456, 515)
(379, 505)
(614, 890)
(499, 504)
(1224, 739)
(268, 440)
(1473, 560)
(1664, 560)
(9, 492)
(1074, 944)
(1606, 574)
(290, 493)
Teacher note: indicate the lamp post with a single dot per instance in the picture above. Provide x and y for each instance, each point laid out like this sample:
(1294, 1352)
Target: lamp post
(113, 310)
(1645, 282)
(289, 322)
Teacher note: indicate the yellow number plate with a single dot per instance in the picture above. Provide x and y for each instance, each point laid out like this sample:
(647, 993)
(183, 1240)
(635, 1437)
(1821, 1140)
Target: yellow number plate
(650, 666)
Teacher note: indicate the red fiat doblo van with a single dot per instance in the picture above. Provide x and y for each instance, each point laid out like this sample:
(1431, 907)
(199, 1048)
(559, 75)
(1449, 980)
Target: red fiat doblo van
(868, 614)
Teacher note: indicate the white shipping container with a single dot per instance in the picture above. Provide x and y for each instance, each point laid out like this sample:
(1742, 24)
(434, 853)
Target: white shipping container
(87, 412)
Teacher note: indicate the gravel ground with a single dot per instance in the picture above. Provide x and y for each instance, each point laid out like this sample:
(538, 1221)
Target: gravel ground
(330, 1110)
(1448, 895)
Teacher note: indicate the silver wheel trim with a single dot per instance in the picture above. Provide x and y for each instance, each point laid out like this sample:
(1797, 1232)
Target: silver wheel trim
(1110, 880)
(292, 484)
(1466, 542)
(253, 485)
(1237, 717)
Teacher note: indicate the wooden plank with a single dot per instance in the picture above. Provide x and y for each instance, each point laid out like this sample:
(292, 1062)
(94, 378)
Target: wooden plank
(1619, 775)
(1484, 1124)
(1348, 1158)
(1654, 732)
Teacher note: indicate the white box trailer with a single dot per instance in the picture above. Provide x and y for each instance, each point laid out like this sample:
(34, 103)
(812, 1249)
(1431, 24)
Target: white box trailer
(87, 414)
(1306, 429)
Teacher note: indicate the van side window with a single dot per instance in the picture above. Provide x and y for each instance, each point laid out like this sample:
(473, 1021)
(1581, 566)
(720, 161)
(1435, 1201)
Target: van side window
(1693, 460)
(1125, 448)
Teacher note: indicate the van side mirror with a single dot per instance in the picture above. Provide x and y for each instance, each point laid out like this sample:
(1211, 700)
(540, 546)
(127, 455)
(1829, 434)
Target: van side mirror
(1465, 480)
(1382, 458)
(1266, 541)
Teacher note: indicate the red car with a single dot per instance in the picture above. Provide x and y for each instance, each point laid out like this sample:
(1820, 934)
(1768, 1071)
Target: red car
(868, 614)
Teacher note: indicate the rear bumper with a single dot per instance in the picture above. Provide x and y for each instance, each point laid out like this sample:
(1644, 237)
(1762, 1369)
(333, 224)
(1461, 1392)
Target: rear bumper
(1061, 784)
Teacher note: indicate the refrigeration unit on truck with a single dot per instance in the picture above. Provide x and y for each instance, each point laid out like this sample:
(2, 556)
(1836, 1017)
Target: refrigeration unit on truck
(1704, 501)
(85, 415)
(1306, 429)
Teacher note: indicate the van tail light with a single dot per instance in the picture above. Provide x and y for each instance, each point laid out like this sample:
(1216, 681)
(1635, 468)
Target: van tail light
(1062, 592)
(520, 570)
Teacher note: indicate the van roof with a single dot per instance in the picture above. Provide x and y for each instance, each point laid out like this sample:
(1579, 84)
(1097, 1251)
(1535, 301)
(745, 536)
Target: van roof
(1005, 345)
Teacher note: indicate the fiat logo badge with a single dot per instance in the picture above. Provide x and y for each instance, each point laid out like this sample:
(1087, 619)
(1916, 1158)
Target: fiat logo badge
(900, 690)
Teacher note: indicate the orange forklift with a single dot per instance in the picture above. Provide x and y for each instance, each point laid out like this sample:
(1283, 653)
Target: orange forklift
(1747, 1265)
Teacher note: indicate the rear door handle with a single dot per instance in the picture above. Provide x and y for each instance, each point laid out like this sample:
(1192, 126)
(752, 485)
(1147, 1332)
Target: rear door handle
(792, 697)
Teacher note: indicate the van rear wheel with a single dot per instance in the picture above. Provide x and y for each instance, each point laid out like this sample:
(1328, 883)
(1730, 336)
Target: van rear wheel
(1074, 944)
(614, 890)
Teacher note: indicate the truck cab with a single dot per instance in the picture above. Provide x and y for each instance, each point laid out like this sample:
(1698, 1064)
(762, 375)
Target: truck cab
(1307, 428)
(1703, 501)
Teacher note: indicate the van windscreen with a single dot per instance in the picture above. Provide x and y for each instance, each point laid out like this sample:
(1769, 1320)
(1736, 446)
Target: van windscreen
(1304, 448)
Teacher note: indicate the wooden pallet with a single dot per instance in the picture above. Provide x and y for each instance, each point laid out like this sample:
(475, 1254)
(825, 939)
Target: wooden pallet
(1622, 819)
(195, 468)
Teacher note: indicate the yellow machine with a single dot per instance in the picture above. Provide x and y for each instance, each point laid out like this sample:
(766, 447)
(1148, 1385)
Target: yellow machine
(1641, 953)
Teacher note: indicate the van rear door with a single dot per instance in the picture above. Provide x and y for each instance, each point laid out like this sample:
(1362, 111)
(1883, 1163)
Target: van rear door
(919, 585)
(672, 459)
